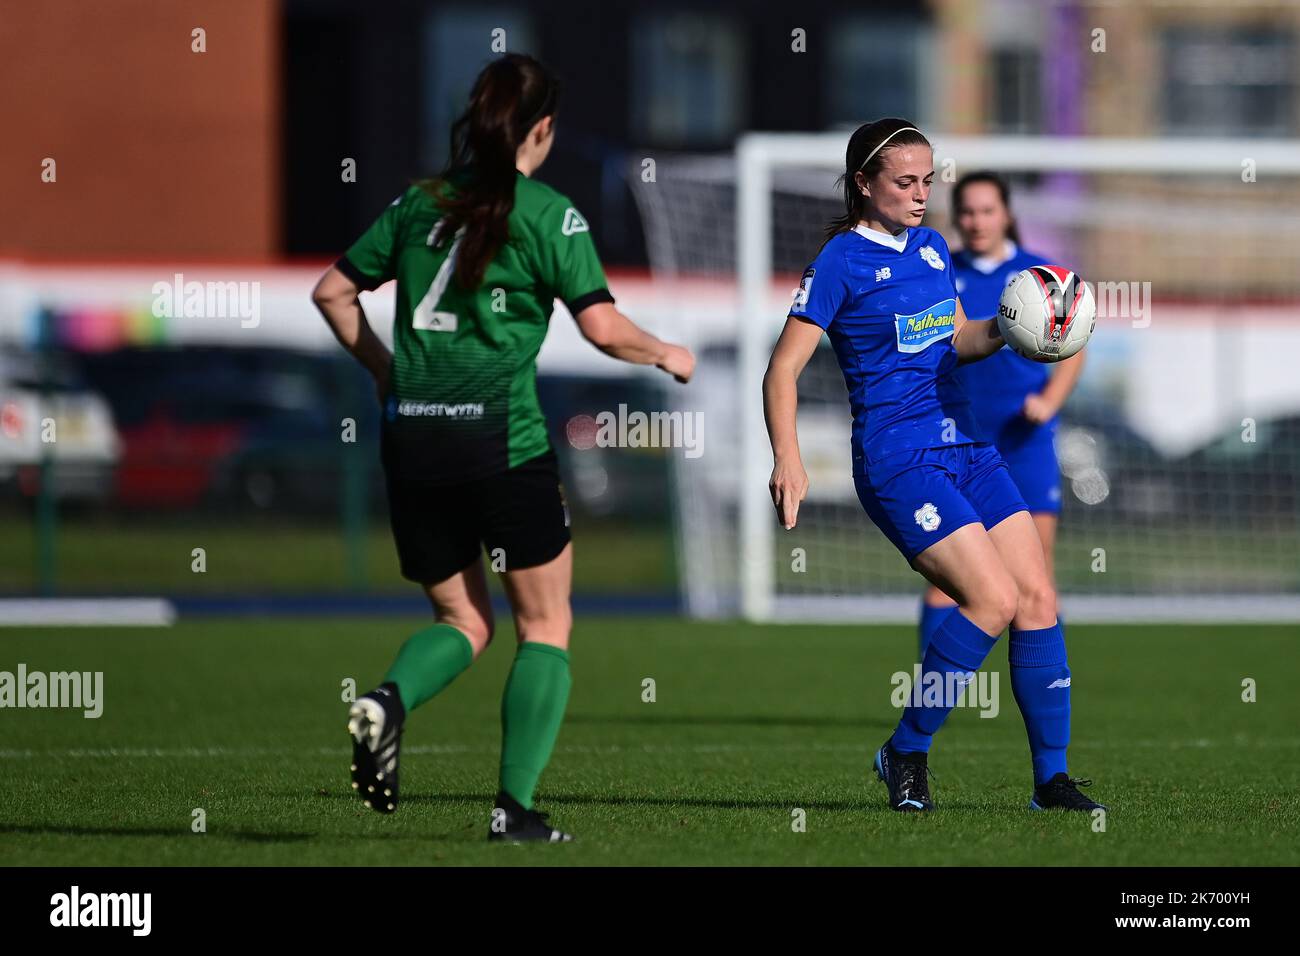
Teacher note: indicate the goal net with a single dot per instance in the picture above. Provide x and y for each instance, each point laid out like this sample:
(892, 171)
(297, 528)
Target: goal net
(1179, 450)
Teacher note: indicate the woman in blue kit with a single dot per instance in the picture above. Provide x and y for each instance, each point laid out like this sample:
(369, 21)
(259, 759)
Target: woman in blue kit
(1015, 399)
(883, 289)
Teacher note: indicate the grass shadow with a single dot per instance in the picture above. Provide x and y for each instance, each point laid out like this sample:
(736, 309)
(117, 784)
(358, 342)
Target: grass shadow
(248, 836)
(732, 720)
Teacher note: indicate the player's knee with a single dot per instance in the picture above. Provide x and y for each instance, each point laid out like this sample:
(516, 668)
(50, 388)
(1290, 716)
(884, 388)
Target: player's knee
(477, 628)
(1038, 601)
(993, 606)
(1008, 606)
(1003, 603)
(547, 627)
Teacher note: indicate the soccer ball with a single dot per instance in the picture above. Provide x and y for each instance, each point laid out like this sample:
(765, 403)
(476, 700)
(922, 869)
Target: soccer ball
(1047, 313)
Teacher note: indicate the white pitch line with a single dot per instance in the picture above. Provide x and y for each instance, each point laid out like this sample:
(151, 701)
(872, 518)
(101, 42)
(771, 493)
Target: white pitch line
(174, 753)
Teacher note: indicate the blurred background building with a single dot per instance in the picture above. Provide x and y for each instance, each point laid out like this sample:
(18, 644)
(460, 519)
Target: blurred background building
(210, 140)
(166, 152)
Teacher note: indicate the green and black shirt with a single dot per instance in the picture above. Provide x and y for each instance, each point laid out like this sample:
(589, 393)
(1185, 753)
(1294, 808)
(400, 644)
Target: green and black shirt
(463, 396)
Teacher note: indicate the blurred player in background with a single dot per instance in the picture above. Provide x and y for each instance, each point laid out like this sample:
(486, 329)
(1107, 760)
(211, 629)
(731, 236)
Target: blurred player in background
(479, 254)
(1015, 399)
(883, 288)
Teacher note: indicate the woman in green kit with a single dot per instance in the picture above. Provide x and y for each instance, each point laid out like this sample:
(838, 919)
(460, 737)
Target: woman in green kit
(479, 254)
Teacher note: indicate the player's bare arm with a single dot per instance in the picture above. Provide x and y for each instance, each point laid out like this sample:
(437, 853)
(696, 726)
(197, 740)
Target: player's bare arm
(337, 298)
(975, 338)
(1065, 375)
(609, 330)
(789, 482)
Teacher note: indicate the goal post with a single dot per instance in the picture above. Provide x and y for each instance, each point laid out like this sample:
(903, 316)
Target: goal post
(754, 275)
(1198, 284)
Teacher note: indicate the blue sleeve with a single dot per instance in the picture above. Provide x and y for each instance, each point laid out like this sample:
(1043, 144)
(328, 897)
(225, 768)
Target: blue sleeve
(822, 290)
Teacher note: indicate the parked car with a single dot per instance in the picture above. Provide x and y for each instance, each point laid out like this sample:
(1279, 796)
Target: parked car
(1248, 473)
(48, 412)
(1106, 464)
(606, 480)
(237, 426)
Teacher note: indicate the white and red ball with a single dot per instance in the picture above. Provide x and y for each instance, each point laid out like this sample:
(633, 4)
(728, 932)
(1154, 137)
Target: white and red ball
(1047, 313)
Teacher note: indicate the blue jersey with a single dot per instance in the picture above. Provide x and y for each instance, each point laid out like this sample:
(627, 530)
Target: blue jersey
(997, 385)
(889, 306)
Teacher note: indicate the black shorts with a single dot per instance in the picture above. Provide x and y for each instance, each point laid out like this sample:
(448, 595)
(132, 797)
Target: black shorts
(519, 516)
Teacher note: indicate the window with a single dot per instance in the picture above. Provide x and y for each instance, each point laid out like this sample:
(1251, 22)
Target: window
(1014, 84)
(688, 73)
(1228, 81)
(876, 68)
(457, 45)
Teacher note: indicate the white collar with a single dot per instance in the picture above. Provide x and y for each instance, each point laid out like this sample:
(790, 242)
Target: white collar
(897, 243)
(989, 264)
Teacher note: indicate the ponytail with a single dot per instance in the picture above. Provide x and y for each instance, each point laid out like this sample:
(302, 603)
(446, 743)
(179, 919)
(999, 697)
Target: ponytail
(476, 189)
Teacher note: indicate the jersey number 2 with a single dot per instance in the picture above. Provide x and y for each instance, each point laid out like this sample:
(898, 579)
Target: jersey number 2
(427, 317)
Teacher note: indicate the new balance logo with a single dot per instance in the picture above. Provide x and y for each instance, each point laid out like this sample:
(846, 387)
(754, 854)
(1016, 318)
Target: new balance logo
(573, 222)
(883, 274)
(1059, 682)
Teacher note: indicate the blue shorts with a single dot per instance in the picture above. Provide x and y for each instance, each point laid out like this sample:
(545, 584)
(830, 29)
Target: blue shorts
(918, 498)
(1035, 471)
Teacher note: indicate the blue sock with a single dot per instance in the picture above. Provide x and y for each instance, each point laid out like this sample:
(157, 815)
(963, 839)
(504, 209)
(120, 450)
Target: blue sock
(1040, 680)
(931, 618)
(957, 647)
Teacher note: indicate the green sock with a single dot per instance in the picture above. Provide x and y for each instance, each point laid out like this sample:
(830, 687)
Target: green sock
(532, 709)
(429, 661)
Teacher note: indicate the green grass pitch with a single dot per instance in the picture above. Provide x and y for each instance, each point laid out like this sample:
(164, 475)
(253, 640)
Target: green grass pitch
(244, 719)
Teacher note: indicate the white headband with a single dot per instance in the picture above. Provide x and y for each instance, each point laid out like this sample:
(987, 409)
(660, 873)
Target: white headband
(883, 142)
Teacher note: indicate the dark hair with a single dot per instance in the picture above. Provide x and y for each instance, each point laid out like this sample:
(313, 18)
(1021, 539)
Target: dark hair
(864, 142)
(1003, 188)
(476, 190)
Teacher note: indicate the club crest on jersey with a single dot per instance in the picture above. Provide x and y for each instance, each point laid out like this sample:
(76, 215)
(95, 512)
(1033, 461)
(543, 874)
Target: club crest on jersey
(927, 516)
(922, 329)
(931, 257)
(573, 222)
(801, 294)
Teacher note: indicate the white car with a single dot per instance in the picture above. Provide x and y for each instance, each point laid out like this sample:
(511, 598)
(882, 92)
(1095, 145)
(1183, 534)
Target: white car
(48, 416)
